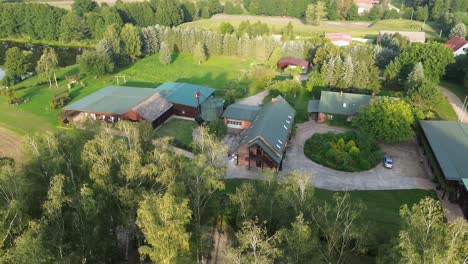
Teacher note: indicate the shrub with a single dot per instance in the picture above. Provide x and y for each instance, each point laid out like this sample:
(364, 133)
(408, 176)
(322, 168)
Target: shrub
(348, 151)
(217, 128)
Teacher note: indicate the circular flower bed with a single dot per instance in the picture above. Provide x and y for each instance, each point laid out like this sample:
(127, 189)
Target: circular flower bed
(347, 151)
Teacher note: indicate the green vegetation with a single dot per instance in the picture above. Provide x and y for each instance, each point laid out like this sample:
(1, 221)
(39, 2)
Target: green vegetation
(298, 101)
(381, 212)
(444, 110)
(35, 115)
(348, 151)
(180, 130)
(306, 30)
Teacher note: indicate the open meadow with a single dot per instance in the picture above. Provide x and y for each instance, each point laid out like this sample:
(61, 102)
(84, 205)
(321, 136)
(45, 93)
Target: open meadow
(356, 29)
(36, 116)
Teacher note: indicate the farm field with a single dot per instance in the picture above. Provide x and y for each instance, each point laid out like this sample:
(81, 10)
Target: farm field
(35, 115)
(356, 29)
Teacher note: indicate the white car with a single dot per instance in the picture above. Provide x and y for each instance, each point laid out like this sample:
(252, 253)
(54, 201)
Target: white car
(388, 162)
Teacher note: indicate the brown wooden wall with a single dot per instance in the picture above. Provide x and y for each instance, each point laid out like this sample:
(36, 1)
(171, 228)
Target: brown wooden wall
(185, 111)
(243, 158)
(162, 118)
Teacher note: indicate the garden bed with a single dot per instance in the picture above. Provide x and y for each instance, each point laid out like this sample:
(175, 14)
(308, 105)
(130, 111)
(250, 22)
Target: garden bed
(347, 151)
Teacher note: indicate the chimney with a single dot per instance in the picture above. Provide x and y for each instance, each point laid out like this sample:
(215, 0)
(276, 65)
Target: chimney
(341, 93)
(274, 100)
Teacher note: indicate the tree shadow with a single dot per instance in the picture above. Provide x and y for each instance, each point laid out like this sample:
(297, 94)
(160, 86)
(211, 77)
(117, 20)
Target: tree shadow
(141, 84)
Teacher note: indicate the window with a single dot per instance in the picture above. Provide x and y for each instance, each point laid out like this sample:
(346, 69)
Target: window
(233, 122)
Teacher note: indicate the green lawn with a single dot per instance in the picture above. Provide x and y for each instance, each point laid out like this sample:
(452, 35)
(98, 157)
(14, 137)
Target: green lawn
(306, 30)
(455, 88)
(35, 115)
(299, 101)
(381, 213)
(180, 130)
(445, 111)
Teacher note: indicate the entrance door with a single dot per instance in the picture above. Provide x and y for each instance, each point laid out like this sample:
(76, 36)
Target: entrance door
(259, 163)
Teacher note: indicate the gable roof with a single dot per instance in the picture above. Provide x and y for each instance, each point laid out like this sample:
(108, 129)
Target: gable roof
(313, 106)
(342, 103)
(456, 43)
(449, 143)
(184, 93)
(112, 100)
(412, 36)
(287, 61)
(153, 107)
(271, 128)
(241, 112)
(339, 37)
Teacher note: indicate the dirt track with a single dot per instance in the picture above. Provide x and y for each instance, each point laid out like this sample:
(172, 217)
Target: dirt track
(10, 144)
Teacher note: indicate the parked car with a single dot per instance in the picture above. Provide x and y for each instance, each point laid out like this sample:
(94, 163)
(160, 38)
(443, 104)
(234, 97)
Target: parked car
(388, 162)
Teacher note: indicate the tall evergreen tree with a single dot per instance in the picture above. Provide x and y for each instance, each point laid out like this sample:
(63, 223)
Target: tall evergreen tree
(81, 7)
(165, 54)
(169, 13)
(199, 53)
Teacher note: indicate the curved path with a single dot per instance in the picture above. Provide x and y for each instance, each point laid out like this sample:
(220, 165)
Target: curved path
(409, 171)
(455, 102)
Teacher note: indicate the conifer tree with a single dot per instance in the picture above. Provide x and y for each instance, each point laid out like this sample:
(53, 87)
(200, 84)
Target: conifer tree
(199, 53)
(165, 54)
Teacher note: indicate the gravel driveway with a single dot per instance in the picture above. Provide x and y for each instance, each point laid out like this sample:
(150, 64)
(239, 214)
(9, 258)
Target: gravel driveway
(408, 173)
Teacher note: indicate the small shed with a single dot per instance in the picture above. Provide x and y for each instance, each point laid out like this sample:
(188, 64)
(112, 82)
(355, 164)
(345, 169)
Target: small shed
(291, 61)
(239, 116)
(212, 109)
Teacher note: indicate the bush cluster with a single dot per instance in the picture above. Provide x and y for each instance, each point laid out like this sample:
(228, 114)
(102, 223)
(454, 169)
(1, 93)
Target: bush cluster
(348, 151)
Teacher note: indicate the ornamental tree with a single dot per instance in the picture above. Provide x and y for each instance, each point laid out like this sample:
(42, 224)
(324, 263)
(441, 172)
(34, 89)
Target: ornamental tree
(386, 120)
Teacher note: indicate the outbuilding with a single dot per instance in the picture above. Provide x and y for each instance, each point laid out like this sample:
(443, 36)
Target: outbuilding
(238, 117)
(338, 103)
(445, 144)
(285, 62)
(458, 45)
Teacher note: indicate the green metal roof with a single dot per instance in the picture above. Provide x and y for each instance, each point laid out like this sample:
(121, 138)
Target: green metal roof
(342, 103)
(241, 112)
(271, 127)
(465, 182)
(449, 142)
(112, 100)
(313, 106)
(184, 93)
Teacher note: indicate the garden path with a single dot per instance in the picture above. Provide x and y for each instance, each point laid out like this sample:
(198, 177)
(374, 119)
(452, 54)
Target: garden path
(455, 102)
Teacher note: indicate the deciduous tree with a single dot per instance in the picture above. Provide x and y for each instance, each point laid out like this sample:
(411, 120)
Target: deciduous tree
(459, 30)
(387, 120)
(165, 54)
(163, 220)
(131, 41)
(47, 65)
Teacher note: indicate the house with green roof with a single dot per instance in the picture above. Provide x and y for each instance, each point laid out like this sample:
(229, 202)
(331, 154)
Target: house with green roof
(155, 105)
(446, 144)
(238, 117)
(265, 142)
(338, 103)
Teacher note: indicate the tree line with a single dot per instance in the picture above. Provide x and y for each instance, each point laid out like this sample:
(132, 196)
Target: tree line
(88, 20)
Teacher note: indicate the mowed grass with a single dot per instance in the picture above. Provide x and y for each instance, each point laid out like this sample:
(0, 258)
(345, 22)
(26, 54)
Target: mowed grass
(178, 129)
(35, 116)
(381, 213)
(341, 26)
(444, 110)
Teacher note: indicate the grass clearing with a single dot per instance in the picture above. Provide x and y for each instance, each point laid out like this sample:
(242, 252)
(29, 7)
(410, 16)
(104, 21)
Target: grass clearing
(444, 110)
(341, 26)
(35, 116)
(180, 130)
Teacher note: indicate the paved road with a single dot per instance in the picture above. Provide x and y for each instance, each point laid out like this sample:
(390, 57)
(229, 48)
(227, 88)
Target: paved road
(455, 102)
(254, 99)
(410, 173)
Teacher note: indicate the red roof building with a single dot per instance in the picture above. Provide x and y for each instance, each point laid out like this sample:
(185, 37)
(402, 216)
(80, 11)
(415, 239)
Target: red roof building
(458, 45)
(339, 39)
(290, 61)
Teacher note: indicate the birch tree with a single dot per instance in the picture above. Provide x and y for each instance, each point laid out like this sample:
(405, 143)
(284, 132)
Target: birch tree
(47, 65)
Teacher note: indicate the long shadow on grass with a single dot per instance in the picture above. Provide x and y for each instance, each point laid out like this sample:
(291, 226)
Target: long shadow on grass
(219, 82)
